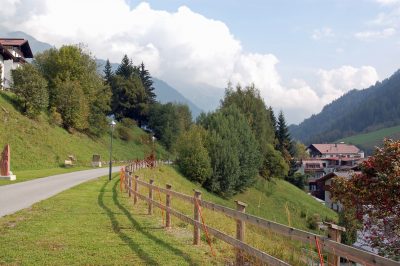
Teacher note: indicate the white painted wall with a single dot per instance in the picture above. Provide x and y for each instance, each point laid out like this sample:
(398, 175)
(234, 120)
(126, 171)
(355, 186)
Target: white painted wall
(2, 70)
(9, 65)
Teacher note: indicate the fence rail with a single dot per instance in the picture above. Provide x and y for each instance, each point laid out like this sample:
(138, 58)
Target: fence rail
(330, 244)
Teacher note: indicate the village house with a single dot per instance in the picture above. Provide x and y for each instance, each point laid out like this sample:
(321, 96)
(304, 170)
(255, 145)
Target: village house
(13, 53)
(328, 158)
(320, 187)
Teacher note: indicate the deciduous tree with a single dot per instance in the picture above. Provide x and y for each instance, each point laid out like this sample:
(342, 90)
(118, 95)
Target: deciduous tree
(375, 196)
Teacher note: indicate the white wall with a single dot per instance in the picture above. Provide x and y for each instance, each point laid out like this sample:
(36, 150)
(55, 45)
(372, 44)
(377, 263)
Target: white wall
(8, 66)
(2, 70)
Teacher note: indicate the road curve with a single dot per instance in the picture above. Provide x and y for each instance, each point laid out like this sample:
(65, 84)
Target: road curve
(19, 196)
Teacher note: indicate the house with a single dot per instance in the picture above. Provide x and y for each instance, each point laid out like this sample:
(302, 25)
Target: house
(13, 53)
(334, 150)
(328, 158)
(320, 187)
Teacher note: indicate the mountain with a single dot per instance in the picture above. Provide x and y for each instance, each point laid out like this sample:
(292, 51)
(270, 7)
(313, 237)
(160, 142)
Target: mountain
(165, 93)
(358, 111)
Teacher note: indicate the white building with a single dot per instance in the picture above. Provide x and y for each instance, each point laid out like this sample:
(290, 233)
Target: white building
(13, 53)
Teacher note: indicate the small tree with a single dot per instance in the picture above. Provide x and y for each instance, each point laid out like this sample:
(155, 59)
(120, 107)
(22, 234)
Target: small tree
(193, 159)
(108, 73)
(31, 89)
(374, 194)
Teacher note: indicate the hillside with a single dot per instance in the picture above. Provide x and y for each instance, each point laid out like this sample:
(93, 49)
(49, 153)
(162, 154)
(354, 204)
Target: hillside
(39, 145)
(369, 141)
(358, 111)
(116, 231)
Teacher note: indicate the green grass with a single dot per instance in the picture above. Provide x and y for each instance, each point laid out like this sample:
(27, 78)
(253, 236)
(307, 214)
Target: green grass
(369, 141)
(277, 201)
(94, 224)
(25, 175)
(35, 144)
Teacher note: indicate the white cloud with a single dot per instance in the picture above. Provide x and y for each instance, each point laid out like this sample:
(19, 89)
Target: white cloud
(371, 35)
(322, 33)
(183, 48)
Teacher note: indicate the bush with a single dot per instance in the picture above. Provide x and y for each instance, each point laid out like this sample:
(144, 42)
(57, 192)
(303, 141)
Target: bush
(31, 90)
(128, 123)
(55, 117)
(312, 221)
(193, 159)
(124, 133)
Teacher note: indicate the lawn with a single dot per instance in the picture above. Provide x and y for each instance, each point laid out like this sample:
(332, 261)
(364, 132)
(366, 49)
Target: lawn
(25, 175)
(94, 224)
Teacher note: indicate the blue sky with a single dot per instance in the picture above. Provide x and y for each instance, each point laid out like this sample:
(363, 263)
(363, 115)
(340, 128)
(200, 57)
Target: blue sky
(301, 55)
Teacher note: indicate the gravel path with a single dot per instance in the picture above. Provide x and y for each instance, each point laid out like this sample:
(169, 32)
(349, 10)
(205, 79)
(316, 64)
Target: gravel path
(18, 196)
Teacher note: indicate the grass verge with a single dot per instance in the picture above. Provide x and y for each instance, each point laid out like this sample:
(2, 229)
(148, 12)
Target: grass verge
(26, 175)
(94, 224)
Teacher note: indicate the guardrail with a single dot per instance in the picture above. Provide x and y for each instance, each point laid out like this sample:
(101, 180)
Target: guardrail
(330, 244)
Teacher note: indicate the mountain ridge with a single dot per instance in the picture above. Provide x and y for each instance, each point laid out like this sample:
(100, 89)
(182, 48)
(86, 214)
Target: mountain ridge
(357, 111)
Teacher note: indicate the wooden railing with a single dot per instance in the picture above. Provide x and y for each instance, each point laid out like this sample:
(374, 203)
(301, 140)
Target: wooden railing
(330, 244)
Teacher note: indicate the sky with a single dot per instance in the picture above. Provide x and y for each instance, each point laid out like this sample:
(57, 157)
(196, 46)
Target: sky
(301, 55)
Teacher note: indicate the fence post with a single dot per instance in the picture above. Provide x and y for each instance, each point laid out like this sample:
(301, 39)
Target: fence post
(168, 204)
(240, 232)
(334, 233)
(129, 185)
(135, 197)
(151, 197)
(196, 216)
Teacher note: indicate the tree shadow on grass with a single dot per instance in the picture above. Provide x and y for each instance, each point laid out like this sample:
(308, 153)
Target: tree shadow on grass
(135, 247)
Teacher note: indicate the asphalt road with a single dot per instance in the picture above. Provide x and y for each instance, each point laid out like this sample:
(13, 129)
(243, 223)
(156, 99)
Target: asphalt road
(19, 196)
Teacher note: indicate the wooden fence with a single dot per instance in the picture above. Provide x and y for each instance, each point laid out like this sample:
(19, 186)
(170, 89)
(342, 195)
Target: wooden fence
(330, 244)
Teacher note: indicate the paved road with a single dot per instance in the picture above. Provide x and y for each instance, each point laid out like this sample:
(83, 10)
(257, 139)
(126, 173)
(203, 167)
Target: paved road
(18, 196)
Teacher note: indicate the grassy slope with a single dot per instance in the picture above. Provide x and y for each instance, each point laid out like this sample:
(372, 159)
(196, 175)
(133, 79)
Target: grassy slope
(38, 145)
(369, 140)
(268, 200)
(95, 224)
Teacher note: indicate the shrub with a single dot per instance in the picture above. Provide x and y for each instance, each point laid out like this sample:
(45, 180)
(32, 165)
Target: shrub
(128, 122)
(55, 117)
(312, 221)
(125, 133)
(31, 90)
(193, 159)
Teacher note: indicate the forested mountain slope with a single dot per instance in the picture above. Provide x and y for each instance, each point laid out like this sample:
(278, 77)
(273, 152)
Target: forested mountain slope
(355, 112)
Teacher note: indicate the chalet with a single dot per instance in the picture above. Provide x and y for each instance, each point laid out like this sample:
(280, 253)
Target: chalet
(320, 187)
(13, 53)
(334, 150)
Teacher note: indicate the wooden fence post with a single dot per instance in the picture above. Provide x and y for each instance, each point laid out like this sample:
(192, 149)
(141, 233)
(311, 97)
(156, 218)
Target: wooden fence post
(168, 204)
(129, 185)
(135, 197)
(196, 228)
(335, 234)
(240, 232)
(151, 197)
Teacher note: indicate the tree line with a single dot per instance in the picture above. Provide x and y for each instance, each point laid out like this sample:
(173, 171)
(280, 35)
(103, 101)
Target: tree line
(223, 150)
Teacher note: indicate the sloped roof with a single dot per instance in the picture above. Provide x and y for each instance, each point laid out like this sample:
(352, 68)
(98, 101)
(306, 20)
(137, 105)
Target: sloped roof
(333, 148)
(21, 43)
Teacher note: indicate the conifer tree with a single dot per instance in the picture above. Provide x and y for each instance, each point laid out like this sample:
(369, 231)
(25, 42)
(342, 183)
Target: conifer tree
(147, 83)
(126, 68)
(283, 136)
(108, 73)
